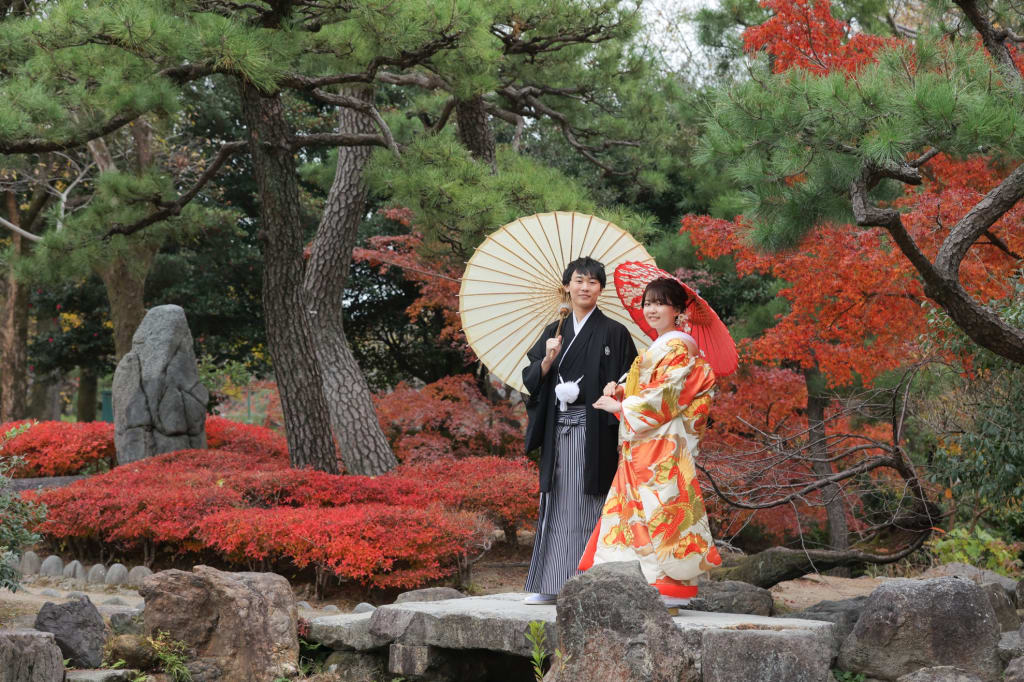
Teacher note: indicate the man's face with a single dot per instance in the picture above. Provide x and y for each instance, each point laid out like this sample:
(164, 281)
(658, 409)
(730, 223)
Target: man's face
(583, 292)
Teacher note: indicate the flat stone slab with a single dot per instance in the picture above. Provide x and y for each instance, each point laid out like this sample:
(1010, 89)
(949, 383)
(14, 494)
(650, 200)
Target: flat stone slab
(499, 622)
(101, 675)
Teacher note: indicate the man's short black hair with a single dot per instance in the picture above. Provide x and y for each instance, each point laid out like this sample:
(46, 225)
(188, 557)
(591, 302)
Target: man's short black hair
(586, 266)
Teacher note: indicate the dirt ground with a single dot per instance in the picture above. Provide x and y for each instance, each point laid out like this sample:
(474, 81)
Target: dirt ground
(796, 595)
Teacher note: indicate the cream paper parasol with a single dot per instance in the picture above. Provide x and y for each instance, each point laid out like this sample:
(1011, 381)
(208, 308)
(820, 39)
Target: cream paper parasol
(512, 286)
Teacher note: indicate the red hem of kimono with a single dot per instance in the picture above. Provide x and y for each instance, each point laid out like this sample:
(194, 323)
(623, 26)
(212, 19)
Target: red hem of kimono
(587, 560)
(673, 589)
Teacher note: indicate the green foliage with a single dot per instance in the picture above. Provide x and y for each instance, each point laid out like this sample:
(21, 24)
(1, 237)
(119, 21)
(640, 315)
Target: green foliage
(812, 132)
(977, 419)
(537, 637)
(80, 333)
(17, 517)
(978, 547)
(172, 656)
(847, 676)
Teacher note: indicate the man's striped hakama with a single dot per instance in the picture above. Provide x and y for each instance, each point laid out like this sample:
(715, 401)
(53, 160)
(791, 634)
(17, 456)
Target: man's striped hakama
(567, 515)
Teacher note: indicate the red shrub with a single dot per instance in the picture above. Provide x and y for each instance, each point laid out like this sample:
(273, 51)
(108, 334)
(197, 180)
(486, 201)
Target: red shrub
(381, 545)
(398, 530)
(224, 434)
(59, 448)
(504, 490)
(448, 417)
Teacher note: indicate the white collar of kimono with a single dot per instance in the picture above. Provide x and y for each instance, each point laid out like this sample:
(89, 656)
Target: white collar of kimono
(577, 325)
(663, 340)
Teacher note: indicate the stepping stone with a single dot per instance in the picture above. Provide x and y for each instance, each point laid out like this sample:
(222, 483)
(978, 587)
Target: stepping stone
(30, 563)
(363, 607)
(117, 574)
(49, 592)
(330, 608)
(115, 601)
(52, 566)
(137, 575)
(96, 575)
(74, 569)
(303, 605)
(121, 675)
(499, 623)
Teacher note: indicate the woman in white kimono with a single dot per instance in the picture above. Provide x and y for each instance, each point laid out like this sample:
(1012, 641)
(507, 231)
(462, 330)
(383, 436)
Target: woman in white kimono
(654, 511)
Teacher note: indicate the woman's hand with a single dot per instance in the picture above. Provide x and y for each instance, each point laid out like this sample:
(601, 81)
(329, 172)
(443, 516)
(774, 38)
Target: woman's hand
(613, 390)
(608, 404)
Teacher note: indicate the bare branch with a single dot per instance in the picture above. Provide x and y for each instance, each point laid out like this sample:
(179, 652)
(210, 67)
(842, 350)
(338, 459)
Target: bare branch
(174, 208)
(17, 230)
(341, 99)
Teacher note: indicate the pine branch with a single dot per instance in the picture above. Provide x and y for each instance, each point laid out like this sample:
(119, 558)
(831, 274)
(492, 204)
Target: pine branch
(337, 140)
(994, 41)
(526, 95)
(941, 279)
(169, 210)
(343, 100)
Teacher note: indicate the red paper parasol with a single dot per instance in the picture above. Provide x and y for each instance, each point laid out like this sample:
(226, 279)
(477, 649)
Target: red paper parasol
(711, 334)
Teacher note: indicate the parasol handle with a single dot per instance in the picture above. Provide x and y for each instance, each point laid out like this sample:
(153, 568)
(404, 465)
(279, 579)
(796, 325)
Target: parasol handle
(563, 312)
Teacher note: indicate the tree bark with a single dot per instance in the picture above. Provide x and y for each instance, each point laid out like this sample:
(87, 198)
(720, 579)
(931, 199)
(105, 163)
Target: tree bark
(87, 385)
(475, 130)
(125, 282)
(364, 449)
(14, 352)
(777, 564)
(299, 380)
(838, 531)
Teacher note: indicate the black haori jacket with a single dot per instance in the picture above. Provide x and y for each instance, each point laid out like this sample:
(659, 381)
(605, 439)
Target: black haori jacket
(609, 353)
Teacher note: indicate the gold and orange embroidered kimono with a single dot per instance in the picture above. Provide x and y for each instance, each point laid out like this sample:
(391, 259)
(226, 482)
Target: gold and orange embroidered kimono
(654, 511)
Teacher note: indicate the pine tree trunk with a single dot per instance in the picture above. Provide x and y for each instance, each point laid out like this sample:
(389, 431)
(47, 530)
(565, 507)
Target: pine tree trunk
(838, 532)
(125, 281)
(299, 381)
(364, 449)
(14, 352)
(87, 385)
(475, 130)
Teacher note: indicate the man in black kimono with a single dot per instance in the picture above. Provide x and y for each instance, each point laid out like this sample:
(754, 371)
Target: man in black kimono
(579, 444)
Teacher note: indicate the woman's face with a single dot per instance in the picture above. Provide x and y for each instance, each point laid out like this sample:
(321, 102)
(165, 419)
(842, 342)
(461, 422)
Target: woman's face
(661, 316)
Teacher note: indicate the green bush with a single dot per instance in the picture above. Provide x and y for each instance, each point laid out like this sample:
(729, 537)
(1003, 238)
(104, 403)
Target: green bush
(978, 547)
(17, 518)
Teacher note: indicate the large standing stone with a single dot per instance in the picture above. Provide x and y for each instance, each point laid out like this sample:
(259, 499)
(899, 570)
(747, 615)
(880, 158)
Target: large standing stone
(30, 656)
(244, 624)
(159, 403)
(1003, 606)
(912, 624)
(732, 596)
(30, 563)
(612, 625)
(52, 566)
(78, 628)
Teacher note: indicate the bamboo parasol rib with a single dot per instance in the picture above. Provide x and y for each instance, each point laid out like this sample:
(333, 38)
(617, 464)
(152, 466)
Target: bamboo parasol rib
(512, 286)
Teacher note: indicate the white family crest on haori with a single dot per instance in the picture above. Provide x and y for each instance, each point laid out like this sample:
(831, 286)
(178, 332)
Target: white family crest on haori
(512, 287)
